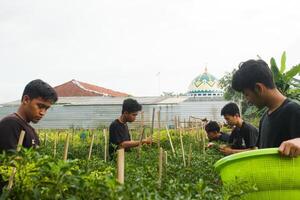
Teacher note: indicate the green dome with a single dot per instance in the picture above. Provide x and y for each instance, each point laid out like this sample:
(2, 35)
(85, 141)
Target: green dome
(205, 85)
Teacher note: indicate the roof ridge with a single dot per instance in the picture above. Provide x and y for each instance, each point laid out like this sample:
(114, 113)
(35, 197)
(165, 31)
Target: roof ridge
(77, 83)
(103, 88)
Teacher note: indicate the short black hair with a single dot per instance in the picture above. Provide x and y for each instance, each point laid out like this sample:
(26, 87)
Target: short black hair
(38, 88)
(131, 105)
(250, 73)
(212, 126)
(230, 109)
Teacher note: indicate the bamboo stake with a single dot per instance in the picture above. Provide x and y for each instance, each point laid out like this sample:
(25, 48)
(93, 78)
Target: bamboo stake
(182, 148)
(152, 123)
(55, 147)
(120, 166)
(170, 139)
(166, 158)
(72, 138)
(142, 121)
(91, 146)
(45, 139)
(190, 155)
(175, 123)
(66, 149)
(14, 170)
(160, 166)
(140, 143)
(105, 145)
(203, 140)
(178, 124)
(158, 131)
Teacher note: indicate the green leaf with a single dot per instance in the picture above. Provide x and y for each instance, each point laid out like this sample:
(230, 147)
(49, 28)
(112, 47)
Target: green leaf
(292, 72)
(283, 62)
(276, 73)
(273, 62)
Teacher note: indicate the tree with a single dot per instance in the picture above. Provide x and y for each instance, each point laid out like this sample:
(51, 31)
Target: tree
(286, 81)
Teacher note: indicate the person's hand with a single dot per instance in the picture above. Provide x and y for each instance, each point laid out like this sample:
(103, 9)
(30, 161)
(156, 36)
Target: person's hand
(210, 144)
(290, 148)
(226, 150)
(148, 140)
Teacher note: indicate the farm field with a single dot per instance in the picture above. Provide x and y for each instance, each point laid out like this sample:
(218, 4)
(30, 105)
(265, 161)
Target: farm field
(88, 173)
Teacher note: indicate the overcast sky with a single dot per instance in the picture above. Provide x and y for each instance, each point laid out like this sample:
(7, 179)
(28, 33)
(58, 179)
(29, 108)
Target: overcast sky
(122, 44)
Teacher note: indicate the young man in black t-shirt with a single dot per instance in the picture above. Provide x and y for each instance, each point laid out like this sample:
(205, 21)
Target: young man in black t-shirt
(119, 136)
(280, 125)
(37, 97)
(243, 136)
(212, 129)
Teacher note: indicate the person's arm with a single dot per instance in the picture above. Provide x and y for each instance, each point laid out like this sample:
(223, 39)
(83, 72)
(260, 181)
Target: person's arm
(227, 150)
(133, 143)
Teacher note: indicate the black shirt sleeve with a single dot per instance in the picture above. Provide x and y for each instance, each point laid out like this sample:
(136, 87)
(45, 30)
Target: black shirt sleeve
(9, 134)
(250, 136)
(294, 122)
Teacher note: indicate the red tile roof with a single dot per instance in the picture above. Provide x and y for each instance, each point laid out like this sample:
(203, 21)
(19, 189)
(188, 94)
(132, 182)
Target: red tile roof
(77, 88)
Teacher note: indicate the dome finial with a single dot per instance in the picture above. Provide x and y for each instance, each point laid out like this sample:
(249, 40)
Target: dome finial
(205, 70)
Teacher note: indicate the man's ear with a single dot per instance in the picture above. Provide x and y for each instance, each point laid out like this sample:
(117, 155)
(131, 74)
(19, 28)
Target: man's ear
(25, 99)
(259, 88)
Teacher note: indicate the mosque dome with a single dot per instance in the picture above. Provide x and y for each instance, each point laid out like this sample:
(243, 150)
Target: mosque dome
(205, 85)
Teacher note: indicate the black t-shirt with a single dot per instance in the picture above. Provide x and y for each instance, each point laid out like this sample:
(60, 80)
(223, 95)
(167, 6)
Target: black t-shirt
(118, 133)
(224, 137)
(281, 125)
(10, 129)
(243, 137)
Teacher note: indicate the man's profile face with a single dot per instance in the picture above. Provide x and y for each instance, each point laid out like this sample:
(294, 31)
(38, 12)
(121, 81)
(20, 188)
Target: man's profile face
(231, 120)
(212, 135)
(35, 108)
(253, 98)
(130, 117)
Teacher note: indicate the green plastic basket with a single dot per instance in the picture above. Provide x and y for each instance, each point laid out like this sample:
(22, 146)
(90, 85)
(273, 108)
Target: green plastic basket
(274, 176)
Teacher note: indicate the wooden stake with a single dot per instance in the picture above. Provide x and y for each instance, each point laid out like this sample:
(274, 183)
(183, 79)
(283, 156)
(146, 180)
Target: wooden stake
(45, 139)
(190, 155)
(175, 123)
(66, 149)
(166, 158)
(182, 148)
(152, 124)
(203, 140)
(169, 136)
(158, 130)
(54, 148)
(14, 170)
(105, 145)
(160, 166)
(91, 146)
(120, 166)
(142, 120)
(140, 143)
